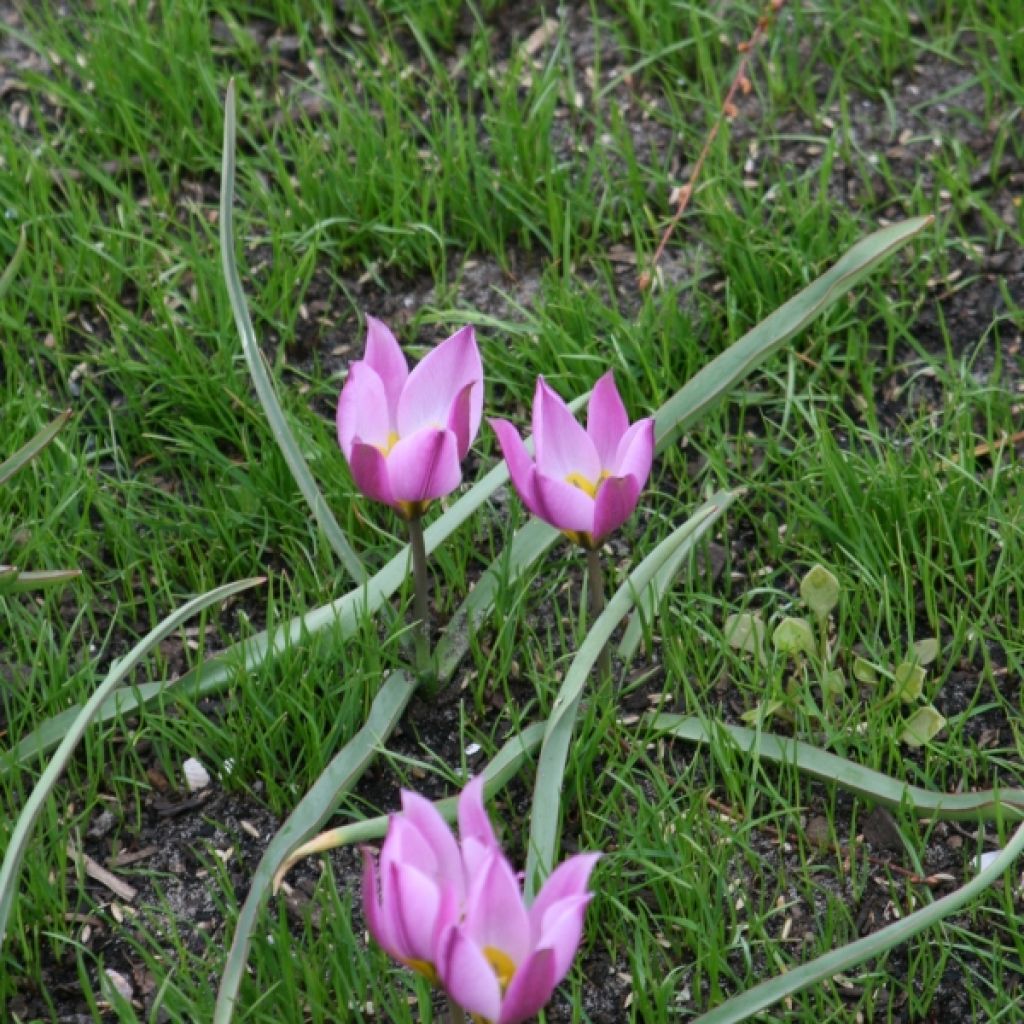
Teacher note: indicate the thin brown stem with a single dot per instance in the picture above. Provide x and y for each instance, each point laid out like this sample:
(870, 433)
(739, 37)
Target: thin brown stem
(421, 602)
(595, 605)
(740, 83)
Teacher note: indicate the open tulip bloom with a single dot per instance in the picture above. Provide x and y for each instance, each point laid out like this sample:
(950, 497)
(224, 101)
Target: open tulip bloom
(405, 434)
(583, 482)
(453, 910)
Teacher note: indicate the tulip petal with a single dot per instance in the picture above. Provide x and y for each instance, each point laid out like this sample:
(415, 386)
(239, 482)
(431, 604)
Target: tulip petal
(607, 420)
(459, 419)
(615, 503)
(568, 879)
(563, 447)
(434, 830)
(563, 505)
(384, 355)
(417, 902)
(495, 915)
(436, 381)
(376, 922)
(635, 453)
(467, 976)
(370, 472)
(424, 466)
(562, 931)
(531, 988)
(476, 836)
(520, 464)
(362, 410)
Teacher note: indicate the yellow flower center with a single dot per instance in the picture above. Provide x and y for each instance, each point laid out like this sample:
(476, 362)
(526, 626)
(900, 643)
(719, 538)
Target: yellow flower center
(503, 964)
(423, 967)
(588, 487)
(392, 440)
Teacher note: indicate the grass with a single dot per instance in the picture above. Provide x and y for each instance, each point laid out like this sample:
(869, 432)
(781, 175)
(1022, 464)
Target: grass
(392, 153)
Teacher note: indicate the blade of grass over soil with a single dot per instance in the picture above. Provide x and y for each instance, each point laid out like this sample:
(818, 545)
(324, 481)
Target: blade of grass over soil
(760, 997)
(44, 787)
(309, 814)
(985, 805)
(258, 371)
(28, 451)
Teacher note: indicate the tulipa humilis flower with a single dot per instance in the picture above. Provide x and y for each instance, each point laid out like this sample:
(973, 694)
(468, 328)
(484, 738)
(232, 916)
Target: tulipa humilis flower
(405, 435)
(453, 911)
(583, 482)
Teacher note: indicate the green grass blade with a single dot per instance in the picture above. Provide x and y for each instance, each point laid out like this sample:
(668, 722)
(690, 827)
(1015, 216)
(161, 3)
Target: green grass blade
(37, 579)
(254, 358)
(44, 787)
(28, 451)
(310, 813)
(503, 766)
(551, 766)
(649, 601)
(760, 997)
(11, 270)
(709, 384)
(990, 804)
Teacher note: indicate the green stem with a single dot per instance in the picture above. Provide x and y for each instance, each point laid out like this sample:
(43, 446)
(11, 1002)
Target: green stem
(595, 593)
(421, 603)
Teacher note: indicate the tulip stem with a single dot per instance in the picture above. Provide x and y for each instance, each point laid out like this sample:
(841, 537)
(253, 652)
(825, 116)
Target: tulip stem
(455, 1013)
(595, 595)
(421, 602)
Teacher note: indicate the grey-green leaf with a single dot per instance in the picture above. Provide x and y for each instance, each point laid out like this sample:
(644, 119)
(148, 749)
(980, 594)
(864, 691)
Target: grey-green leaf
(820, 591)
(794, 636)
(922, 727)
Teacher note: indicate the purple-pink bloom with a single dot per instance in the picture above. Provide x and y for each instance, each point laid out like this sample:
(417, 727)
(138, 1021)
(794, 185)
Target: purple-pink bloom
(583, 482)
(453, 910)
(405, 434)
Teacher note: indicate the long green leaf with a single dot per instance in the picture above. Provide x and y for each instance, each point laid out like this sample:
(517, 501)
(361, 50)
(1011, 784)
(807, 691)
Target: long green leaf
(28, 451)
(989, 804)
(709, 384)
(684, 406)
(260, 378)
(551, 765)
(37, 579)
(649, 601)
(309, 814)
(44, 787)
(760, 997)
(505, 764)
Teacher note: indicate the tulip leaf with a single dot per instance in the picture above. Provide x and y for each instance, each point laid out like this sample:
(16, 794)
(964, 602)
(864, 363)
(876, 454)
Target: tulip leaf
(504, 765)
(709, 384)
(28, 451)
(341, 773)
(986, 805)
(648, 603)
(254, 358)
(551, 765)
(745, 1005)
(75, 729)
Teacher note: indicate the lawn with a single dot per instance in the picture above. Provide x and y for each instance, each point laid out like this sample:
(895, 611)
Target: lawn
(514, 166)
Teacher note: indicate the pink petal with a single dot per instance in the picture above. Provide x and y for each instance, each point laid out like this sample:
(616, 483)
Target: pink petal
(379, 926)
(370, 472)
(424, 466)
(562, 930)
(495, 914)
(520, 464)
(563, 447)
(568, 879)
(476, 835)
(406, 844)
(385, 356)
(563, 505)
(434, 830)
(615, 503)
(459, 419)
(636, 452)
(606, 419)
(467, 976)
(436, 381)
(531, 987)
(362, 409)
(418, 900)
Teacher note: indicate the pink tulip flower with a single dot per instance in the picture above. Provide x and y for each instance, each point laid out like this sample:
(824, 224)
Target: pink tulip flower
(583, 482)
(453, 910)
(405, 434)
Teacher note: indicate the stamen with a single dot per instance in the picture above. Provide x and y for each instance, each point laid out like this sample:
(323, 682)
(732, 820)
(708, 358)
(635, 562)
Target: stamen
(504, 966)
